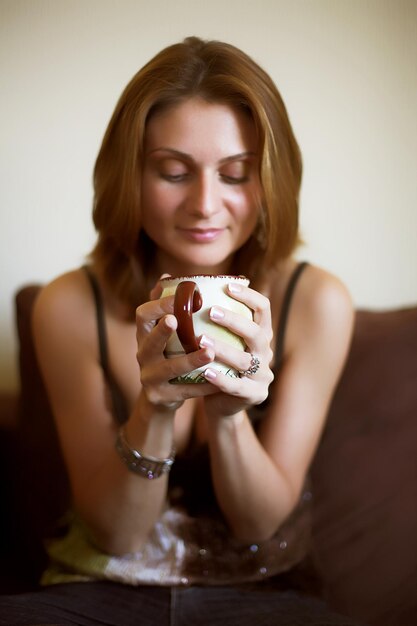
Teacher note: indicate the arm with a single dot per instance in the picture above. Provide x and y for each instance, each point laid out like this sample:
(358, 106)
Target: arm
(118, 506)
(258, 480)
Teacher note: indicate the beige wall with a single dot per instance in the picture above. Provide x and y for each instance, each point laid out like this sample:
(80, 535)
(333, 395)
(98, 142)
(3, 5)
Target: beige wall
(346, 69)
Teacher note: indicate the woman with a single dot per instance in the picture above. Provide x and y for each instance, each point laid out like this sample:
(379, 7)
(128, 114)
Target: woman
(199, 173)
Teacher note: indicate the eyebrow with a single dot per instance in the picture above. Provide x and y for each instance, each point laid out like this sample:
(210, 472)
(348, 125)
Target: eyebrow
(187, 157)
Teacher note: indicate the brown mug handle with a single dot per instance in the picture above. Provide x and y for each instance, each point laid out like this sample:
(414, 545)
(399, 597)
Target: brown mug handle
(187, 301)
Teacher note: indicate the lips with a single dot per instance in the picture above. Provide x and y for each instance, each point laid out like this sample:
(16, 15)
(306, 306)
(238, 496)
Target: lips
(201, 235)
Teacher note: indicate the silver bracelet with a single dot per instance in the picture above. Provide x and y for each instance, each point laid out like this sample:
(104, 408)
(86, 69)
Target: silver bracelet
(147, 466)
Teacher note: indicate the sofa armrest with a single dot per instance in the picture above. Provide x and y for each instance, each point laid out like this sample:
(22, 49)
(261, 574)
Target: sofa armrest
(365, 475)
(35, 468)
(9, 411)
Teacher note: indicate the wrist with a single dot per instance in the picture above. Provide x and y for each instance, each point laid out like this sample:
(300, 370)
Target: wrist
(150, 430)
(149, 410)
(234, 420)
(147, 466)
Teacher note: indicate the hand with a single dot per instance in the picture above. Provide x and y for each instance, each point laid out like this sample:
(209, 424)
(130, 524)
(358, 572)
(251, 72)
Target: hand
(237, 394)
(155, 323)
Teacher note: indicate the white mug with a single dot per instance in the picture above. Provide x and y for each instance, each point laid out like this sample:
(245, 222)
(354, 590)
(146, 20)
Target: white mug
(194, 297)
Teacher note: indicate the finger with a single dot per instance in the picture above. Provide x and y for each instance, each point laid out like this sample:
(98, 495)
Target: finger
(157, 289)
(149, 313)
(252, 334)
(160, 379)
(248, 390)
(237, 359)
(256, 301)
(178, 393)
(151, 345)
(155, 292)
(154, 345)
(252, 366)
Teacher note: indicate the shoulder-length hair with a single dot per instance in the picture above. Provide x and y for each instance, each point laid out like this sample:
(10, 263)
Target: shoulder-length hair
(217, 72)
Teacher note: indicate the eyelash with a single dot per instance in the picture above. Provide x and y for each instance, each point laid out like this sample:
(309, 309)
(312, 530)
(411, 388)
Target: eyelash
(230, 180)
(175, 178)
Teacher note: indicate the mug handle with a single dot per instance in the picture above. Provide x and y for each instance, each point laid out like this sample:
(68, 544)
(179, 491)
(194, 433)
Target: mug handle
(187, 301)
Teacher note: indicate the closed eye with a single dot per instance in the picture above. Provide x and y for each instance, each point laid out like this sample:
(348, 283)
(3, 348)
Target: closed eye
(234, 180)
(174, 178)
(235, 172)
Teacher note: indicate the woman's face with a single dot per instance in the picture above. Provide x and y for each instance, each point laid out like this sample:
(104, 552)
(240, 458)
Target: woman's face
(200, 186)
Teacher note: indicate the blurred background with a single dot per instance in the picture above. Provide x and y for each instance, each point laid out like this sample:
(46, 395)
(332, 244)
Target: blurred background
(347, 70)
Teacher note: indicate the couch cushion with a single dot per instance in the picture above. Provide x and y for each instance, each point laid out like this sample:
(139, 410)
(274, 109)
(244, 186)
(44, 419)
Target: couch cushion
(365, 475)
(41, 479)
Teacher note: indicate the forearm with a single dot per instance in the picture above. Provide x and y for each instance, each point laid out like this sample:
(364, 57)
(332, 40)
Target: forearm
(119, 506)
(253, 493)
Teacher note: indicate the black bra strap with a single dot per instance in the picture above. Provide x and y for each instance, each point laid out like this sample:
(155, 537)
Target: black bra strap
(101, 327)
(118, 401)
(279, 346)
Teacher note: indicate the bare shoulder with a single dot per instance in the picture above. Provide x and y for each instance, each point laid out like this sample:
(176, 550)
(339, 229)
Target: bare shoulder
(62, 304)
(65, 337)
(322, 309)
(65, 289)
(324, 296)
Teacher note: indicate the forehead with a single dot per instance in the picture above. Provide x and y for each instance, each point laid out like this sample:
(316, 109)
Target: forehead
(198, 124)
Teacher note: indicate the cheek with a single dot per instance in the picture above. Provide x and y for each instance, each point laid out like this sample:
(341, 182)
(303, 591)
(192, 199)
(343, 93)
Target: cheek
(250, 223)
(155, 199)
(246, 208)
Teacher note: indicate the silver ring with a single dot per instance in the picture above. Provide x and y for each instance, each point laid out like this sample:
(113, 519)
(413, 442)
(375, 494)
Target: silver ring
(255, 364)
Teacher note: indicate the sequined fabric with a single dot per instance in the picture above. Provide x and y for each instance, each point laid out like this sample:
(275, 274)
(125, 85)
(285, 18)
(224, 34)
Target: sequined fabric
(180, 551)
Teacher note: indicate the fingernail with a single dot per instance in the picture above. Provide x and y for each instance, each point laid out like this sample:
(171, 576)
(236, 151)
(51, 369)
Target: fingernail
(206, 342)
(170, 322)
(216, 314)
(210, 374)
(234, 288)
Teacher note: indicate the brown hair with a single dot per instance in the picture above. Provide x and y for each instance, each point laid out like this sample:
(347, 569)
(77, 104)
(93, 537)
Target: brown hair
(217, 72)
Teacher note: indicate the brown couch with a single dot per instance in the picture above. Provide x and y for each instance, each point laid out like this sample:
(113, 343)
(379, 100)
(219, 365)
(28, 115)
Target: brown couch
(364, 474)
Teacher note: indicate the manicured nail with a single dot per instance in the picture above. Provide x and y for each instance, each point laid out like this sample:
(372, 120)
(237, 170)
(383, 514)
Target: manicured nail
(206, 342)
(234, 288)
(169, 322)
(210, 374)
(216, 313)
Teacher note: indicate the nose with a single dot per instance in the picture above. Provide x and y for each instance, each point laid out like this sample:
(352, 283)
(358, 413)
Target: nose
(204, 200)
